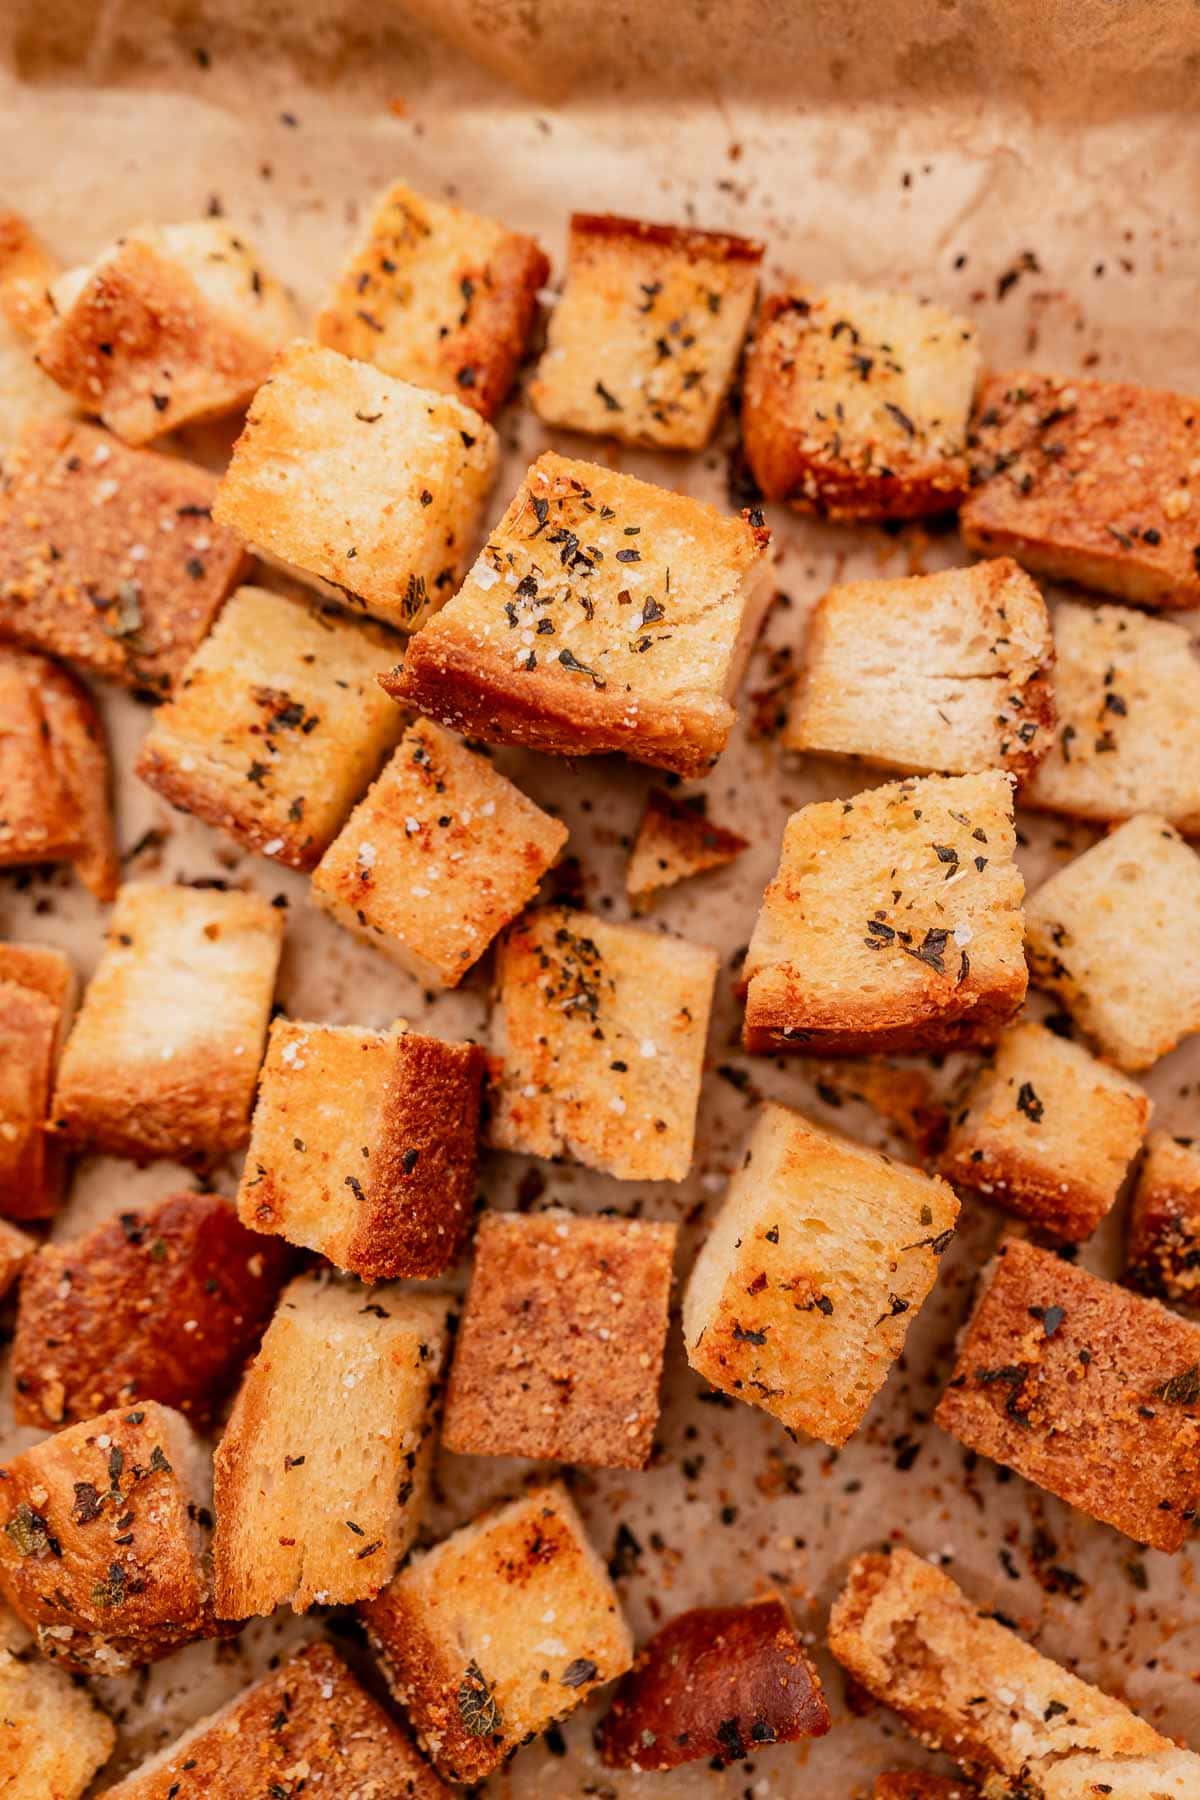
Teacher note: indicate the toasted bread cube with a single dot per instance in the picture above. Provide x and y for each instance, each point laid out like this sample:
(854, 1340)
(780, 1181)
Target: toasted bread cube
(818, 1261)
(498, 1631)
(365, 487)
(276, 726)
(441, 854)
(966, 1684)
(603, 614)
(104, 1540)
(856, 403)
(600, 1033)
(164, 1054)
(644, 342)
(37, 988)
(1047, 1132)
(363, 1147)
(947, 672)
(26, 272)
(561, 1347)
(894, 923)
(108, 556)
(1162, 1255)
(322, 1471)
(1116, 934)
(1086, 1390)
(903, 1096)
(1088, 481)
(675, 841)
(53, 1738)
(54, 772)
(915, 1784)
(170, 325)
(16, 1248)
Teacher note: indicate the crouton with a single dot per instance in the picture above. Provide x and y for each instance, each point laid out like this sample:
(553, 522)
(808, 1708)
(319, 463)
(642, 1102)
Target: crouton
(1047, 1132)
(437, 296)
(108, 556)
(170, 325)
(164, 1054)
(1116, 934)
(856, 404)
(53, 1738)
(499, 1630)
(915, 1784)
(674, 841)
(603, 614)
(561, 1347)
(717, 1683)
(600, 1031)
(37, 988)
(1088, 481)
(363, 1147)
(966, 1684)
(54, 772)
(26, 272)
(903, 1096)
(946, 672)
(276, 726)
(893, 924)
(79, 750)
(1084, 1389)
(1162, 1255)
(805, 1315)
(367, 488)
(104, 1540)
(163, 1304)
(322, 1471)
(644, 342)
(16, 1248)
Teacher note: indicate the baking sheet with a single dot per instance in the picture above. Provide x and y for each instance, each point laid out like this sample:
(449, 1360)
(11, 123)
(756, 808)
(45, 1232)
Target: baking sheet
(1032, 164)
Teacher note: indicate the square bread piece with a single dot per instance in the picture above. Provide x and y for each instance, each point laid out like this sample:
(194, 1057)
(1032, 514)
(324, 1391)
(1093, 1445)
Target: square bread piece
(893, 924)
(1088, 481)
(644, 341)
(855, 403)
(322, 1471)
(276, 726)
(1162, 1255)
(37, 992)
(363, 1147)
(1047, 1132)
(944, 673)
(1116, 935)
(966, 1684)
(104, 1540)
(1127, 690)
(53, 1737)
(675, 841)
(365, 487)
(602, 614)
(164, 1054)
(1084, 1389)
(441, 854)
(54, 772)
(109, 556)
(600, 1033)
(498, 1631)
(820, 1257)
(438, 296)
(170, 325)
(561, 1347)
(26, 272)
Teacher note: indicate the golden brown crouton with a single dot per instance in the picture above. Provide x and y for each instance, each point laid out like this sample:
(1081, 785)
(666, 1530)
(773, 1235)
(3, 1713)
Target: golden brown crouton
(676, 840)
(53, 1738)
(904, 1096)
(54, 773)
(603, 614)
(499, 1630)
(37, 988)
(644, 342)
(26, 272)
(1162, 1256)
(915, 1784)
(16, 1248)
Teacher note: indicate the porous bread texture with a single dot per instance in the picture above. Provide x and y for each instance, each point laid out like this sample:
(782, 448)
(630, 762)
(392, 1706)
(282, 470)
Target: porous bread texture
(53, 1736)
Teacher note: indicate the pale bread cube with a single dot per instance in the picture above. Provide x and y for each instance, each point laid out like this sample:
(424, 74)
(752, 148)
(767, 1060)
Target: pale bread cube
(1162, 1254)
(53, 1737)
(37, 993)
(674, 841)
(26, 272)
(54, 772)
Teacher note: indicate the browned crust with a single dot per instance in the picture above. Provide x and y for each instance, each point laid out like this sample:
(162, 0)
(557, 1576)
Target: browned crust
(30, 1170)
(80, 752)
(26, 272)
(426, 1682)
(685, 239)
(36, 966)
(211, 800)
(945, 1016)
(16, 1248)
(1054, 1199)
(139, 1111)
(490, 345)
(1162, 1253)
(39, 821)
(915, 1784)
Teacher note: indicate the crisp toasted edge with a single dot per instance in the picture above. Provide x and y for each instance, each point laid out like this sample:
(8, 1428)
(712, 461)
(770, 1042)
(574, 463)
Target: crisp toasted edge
(685, 238)
(970, 1014)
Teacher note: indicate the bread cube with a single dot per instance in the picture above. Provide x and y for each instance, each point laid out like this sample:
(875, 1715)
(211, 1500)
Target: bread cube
(856, 403)
(26, 272)
(561, 1347)
(893, 924)
(947, 672)
(37, 988)
(822, 1254)
(365, 487)
(171, 324)
(644, 342)
(440, 855)
(602, 614)
(1088, 481)
(276, 727)
(363, 1147)
(499, 1630)
(162, 1304)
(322, 1471)
(53, 1738)
(16, 1248)
(54, 772)
(164, 1054)
(915, 1784)
(104, 1540)
(674, 841)
(600, 1032)
(1086, 1390)
(109, 556)
(1162, 1255)
(1047, 1132)
(1116, 934)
